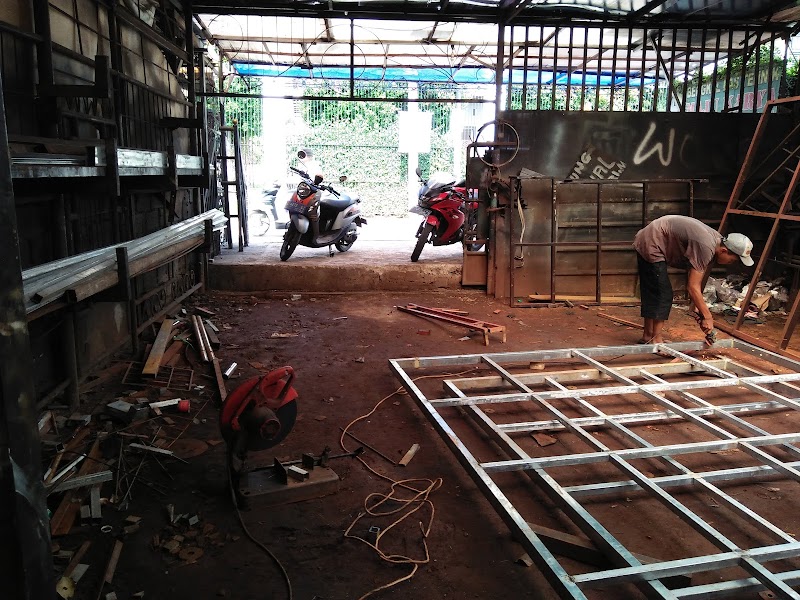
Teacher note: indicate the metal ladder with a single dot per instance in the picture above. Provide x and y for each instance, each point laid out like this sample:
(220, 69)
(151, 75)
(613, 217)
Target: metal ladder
(237, 184)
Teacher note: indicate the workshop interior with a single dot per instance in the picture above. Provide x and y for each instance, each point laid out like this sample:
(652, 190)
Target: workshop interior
(342, 300)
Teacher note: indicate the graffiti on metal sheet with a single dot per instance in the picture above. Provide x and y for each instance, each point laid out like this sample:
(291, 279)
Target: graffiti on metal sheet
(592, 165)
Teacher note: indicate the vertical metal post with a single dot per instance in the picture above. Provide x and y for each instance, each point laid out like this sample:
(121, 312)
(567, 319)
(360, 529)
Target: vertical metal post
(188, 36)
(614, 67)
(69, 354)
(729, 55)
(743, 74)
(628, 53)
(598, 287)
(554, 81)
(498, 75)
(44, 65)
(599, 69)
(539, 72)
(713, 107)
(700, 70)
(569, 69)
(26, 569)
(583, 66)
(757, 50)
(553, 238)
(352, 58)
(525, 70)
(126, 287)
(644, 69)
(509, 93)
(686, 63)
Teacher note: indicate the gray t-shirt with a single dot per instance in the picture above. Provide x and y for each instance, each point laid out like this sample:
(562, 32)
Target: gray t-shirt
(683, 242)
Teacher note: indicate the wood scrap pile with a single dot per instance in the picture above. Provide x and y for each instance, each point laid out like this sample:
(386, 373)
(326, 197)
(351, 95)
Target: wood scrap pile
(125, 441)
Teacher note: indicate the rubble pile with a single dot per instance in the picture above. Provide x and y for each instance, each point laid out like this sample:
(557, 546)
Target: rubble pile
(725, 296)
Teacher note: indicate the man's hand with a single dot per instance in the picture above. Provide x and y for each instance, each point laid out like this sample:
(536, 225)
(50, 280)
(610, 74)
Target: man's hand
(707, 325)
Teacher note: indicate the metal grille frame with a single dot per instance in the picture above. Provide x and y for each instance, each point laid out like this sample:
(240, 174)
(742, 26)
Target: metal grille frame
(772, 391)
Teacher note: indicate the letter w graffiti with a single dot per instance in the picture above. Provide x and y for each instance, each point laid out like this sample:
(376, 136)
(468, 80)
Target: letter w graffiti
(646, 149)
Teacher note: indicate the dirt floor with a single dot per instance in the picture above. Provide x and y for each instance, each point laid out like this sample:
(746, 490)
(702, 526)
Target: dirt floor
(338, 346)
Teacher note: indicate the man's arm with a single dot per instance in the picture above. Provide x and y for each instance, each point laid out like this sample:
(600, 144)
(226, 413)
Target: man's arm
(693, 282)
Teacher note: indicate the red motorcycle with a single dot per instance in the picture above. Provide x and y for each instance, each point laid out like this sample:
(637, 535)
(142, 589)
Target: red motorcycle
(448, 214)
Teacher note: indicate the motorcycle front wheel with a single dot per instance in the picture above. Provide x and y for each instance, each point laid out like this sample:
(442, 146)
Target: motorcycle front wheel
(290, 241)
(422, 239)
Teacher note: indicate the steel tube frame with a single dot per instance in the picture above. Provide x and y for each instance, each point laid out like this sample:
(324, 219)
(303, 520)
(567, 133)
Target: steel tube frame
(598, 244)
(720, 372)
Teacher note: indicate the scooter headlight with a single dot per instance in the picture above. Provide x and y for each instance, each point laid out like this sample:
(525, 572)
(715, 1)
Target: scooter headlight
(304, 190)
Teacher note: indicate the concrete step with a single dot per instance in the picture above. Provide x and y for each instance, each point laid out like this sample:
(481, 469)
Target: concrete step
(342, 277)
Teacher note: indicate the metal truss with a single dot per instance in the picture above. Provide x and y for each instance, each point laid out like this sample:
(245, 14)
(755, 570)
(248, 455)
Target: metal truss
(670, 377)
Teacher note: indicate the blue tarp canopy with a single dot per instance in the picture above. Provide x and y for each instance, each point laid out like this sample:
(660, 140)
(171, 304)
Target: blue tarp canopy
(464, 75)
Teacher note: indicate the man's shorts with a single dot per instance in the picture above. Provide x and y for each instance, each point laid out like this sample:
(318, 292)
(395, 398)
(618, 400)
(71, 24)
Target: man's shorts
(655, 288)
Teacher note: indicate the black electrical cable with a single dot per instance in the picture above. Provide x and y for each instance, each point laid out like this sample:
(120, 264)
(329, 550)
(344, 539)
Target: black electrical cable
(266, 550)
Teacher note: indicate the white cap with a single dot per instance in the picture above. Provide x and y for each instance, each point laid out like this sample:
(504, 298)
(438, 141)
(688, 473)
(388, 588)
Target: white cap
(741, 245)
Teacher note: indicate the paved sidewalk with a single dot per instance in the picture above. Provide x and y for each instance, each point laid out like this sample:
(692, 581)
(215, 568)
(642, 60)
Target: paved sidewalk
(382, 241)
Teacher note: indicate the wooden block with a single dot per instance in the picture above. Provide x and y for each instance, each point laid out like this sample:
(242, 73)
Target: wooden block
(159, 347)
(204, 312)
(76, 558)
(212, 336)
(94, 503)
(409, 455)
(583, 550)
(112, 562)
(172, 351)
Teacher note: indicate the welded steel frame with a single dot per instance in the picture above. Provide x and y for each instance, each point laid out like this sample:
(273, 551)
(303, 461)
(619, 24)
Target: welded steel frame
(598, 244)
(725, 371)
(737, 205)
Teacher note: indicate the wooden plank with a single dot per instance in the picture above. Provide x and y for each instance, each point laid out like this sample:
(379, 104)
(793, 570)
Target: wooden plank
(171, 352)
(409, 455)
(223, 391)
(108, 577)
(621, 321)
(212, 336)
(76, 558)
(159, 347)
(62, 520)
(583, 550)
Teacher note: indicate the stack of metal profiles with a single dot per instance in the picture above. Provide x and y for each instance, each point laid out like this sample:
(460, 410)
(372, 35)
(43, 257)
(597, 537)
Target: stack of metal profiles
(86, 274)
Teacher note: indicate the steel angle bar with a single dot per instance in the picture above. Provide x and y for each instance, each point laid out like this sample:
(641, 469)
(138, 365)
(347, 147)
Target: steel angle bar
(555, 573)
(759, 473)
(731, 502)
(697, 420)
(694, 564)
(588, 524)
(569, 376)
(741, 423)
(772, 357)
(506, 358)
(618, 390)
(636, 453)
(640, 418)
(706, 530)
(737, 587)
(723, 373)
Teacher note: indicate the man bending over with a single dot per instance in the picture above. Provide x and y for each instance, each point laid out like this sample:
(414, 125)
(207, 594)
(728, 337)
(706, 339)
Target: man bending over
(682, 243)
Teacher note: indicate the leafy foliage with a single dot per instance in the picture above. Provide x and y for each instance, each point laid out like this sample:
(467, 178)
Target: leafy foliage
(246, 111)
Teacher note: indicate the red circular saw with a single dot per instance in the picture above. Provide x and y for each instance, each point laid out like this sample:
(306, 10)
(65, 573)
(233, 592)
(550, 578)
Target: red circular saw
(260, 413)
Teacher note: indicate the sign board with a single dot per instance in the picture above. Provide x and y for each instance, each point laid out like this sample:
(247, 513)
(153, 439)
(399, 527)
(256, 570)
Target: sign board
(415, 131)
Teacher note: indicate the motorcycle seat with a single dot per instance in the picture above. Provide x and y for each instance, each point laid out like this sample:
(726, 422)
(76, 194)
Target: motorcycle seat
(339, 203)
